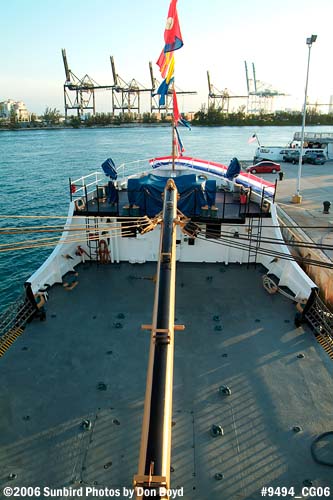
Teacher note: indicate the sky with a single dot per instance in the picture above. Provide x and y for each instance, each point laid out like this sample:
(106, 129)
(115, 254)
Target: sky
(218, 35)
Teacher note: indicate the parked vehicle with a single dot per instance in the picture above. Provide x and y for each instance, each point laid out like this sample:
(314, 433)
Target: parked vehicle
(264, 167)
(292, 157)
(314, 158)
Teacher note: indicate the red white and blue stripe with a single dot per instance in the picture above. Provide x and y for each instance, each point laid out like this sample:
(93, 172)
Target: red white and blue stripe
(218, 169)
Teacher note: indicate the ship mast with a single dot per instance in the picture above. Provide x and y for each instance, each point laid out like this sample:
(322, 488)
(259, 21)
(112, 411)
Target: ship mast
(153, 476)
(173, 130)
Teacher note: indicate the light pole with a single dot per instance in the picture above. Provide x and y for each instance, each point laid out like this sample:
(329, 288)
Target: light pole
(297, 198)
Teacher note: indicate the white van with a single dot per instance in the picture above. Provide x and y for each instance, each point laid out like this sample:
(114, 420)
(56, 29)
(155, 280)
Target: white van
(276, 153)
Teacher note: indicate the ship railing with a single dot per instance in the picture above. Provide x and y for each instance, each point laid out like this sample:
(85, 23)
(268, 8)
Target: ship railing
(315, 135)
(133, 167)
(85, 187)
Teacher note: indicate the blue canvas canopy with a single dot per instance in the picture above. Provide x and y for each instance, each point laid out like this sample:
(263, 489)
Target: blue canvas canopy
(210, 189)
(233, 169)
(110, 169)
(146, 192)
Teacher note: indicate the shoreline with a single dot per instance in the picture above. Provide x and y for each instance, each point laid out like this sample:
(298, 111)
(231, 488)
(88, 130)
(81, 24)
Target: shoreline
(149, 125)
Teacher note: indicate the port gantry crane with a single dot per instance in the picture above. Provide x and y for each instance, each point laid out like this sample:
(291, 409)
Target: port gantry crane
(154, 99)
(79, 94)
(260, 94)
(220, 99)
(125, 96)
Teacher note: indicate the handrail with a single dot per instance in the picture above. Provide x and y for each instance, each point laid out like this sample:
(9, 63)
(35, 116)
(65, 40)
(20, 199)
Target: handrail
(86, 177)
(314, 135)
(126, 169)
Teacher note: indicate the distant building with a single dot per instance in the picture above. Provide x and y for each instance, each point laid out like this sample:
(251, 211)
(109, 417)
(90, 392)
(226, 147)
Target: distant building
(18, 107)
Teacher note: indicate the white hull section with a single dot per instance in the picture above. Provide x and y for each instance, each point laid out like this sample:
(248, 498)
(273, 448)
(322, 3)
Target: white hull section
(144, 248)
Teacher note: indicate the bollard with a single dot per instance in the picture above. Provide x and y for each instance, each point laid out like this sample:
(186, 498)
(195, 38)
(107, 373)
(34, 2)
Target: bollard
(281, 175)
(327, 205)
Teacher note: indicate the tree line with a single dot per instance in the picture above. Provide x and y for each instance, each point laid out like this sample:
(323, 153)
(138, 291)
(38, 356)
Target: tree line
(210, 117)
(215, 117)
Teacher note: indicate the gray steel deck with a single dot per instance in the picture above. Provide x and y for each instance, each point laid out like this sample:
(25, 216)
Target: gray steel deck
(236, 335)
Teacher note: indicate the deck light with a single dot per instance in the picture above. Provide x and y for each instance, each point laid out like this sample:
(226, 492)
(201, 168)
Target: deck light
(297, 198)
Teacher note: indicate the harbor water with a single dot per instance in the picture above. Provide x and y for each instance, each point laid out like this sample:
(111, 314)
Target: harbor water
(36, 165)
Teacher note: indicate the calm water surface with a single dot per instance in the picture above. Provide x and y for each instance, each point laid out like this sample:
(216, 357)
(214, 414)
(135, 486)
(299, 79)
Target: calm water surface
(36, 164)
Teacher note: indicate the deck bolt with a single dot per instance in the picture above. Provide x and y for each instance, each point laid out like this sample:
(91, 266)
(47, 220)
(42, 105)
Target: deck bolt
(301, 355)
(218, 328)
(216, 430)
(218, 476)
(297, 428)
(86, 425)
(12, 476)
(224, 389)
(101, 386)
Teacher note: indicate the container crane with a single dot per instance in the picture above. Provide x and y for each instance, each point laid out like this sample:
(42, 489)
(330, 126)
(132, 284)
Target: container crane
(260, 94)
(125, 95)
(79, 94)
(220, 99)
(154, 99)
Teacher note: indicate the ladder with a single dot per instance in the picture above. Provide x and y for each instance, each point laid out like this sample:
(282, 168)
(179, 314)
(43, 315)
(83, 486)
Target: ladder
(92, 234)
(13, 320)
(254, 232)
